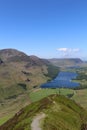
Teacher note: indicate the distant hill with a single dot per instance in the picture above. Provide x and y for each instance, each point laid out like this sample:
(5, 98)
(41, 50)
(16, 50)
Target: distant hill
(66, 62)
(60, 114)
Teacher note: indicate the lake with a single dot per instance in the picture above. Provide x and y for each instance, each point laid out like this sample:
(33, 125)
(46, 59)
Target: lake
(63, 80)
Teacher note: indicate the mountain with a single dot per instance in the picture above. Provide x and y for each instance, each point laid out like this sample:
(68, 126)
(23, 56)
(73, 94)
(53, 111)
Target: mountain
(66, 62)
(7, 54)
(60, 114)
(17, 67)
(19, 75)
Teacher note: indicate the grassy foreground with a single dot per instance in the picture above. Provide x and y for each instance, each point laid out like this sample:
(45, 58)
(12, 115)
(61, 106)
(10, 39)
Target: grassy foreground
(79, 96)
(61, 114)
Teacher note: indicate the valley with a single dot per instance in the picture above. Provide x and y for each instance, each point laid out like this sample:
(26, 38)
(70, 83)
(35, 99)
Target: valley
(21, 77)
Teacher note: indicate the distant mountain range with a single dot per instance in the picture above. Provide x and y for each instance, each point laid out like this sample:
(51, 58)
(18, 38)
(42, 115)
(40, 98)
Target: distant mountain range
(66, 62)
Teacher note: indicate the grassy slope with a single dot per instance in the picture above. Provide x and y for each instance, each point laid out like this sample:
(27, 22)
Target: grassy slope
(12, 96)
(80, 96)
(32, 97)
(12, 74)
(5, 118)
(61, 114)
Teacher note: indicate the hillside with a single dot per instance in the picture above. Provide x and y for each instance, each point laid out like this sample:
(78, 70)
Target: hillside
(66, 62)
(60, 114)
(19, 75)
(16, 68)
(18, 72)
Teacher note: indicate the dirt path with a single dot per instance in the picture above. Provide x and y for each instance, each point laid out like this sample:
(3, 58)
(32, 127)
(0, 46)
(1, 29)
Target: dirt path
(36, 121)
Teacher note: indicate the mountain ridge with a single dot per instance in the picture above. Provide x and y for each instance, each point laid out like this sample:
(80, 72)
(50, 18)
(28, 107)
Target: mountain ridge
(61, 114)
(65, 61)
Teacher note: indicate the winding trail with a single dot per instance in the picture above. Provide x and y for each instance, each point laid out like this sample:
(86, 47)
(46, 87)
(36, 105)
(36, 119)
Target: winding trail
(36, 121)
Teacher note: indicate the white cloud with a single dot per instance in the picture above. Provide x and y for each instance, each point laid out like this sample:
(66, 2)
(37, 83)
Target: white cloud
(68, 52)
(68, 49)
(62, 49)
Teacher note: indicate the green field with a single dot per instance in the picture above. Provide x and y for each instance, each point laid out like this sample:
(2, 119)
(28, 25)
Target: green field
(80, 97)
(35, 96)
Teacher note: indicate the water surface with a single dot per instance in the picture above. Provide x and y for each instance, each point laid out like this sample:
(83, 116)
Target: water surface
(63, 80)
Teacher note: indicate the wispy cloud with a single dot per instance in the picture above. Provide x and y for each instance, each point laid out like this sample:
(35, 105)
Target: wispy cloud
(62, 49)
(68, 52)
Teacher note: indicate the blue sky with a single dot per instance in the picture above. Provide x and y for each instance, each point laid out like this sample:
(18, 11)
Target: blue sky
(46, 28)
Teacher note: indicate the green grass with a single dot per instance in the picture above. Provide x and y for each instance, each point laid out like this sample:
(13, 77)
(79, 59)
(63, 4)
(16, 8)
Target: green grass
(12, 108)
(61, 114)
(5, 118)
(80, 97)
(40, 94)
(67, 117)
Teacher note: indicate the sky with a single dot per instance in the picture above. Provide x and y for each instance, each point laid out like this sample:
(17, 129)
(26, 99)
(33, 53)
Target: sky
(45, 28)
